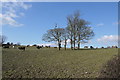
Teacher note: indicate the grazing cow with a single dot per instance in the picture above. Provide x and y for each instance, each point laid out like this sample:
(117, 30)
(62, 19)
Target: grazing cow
(114, 47)
(85, 46)
(21, 48)
(108, 46)
(28, 45)
(34, 45)
(102, 47)
(13, 46)
(76, 47)
(91, 47)
(47, 46)
(42, 46)
(6, 46)
(38, 47)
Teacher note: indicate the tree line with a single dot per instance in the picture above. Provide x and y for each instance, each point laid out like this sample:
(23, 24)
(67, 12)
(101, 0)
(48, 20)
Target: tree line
(77, 31)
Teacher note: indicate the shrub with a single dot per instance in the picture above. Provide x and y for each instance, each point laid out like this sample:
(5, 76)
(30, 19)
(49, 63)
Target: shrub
(111, 69)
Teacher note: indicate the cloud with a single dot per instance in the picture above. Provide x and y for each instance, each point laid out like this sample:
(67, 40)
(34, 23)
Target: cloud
(116, 23)
(9, 20)
(49, 44)
(10, 12)
(100, 24)
(109, 39)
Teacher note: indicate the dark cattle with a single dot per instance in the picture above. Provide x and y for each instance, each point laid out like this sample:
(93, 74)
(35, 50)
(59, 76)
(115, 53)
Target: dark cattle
(55, 47)
(42, 46)
(47, 46)
(5, 46)
(91, 47)
(76, 47)
(85, 46)
(102, 47)
(21, 48)
(38, 47)
(108, 46)
(34, 45)
(114, 47)
(28, 45)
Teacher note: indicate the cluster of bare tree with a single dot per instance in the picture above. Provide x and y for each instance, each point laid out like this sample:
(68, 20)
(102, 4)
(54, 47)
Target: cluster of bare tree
(77, 31)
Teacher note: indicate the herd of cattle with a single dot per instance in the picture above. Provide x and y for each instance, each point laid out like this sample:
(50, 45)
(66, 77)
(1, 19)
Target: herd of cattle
(39, 47)
(91, 47)
(23, 47)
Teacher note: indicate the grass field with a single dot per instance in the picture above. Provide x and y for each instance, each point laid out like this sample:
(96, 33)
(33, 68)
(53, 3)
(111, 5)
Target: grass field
(51, 63)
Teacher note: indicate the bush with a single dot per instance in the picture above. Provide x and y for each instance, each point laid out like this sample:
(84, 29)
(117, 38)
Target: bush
(111, 69)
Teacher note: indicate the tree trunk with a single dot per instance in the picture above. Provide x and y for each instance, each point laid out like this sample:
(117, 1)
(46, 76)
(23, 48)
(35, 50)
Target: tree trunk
(71, 44)
(65, 43)
(74, 44)
(78, 46)
(78, 41)
(59, 45)
(74, 37)
(65, 47)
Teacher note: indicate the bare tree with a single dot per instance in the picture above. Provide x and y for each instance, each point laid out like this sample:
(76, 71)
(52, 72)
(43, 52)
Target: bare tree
(84, 32)
(54, 35)
(2, 39)
(65, 37)
(79, 31)
(73, 20)
(70, 29)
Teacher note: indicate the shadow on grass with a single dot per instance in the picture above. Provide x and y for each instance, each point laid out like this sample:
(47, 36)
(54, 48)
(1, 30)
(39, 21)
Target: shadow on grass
(111, 69)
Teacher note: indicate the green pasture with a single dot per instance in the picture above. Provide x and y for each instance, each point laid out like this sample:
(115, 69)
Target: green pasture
(52, 63)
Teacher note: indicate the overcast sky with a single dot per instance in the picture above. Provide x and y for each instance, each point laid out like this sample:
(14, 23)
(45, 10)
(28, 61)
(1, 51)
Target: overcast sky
(26, 22)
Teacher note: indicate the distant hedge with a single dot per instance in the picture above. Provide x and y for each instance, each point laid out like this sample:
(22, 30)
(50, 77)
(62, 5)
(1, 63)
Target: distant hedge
(111, 69)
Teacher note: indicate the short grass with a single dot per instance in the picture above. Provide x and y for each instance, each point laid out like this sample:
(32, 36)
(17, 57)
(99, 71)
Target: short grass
(51, 63)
